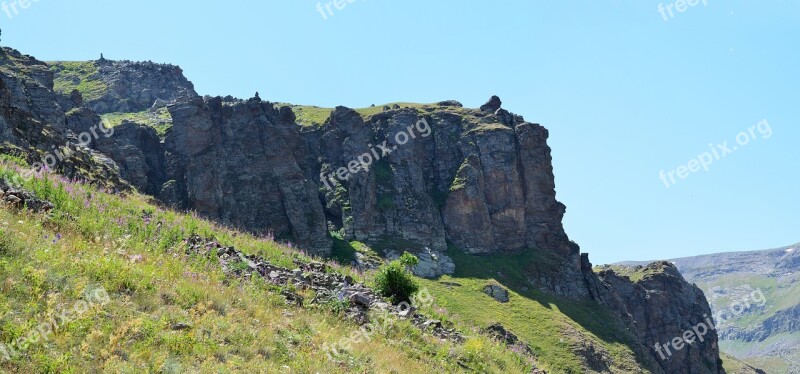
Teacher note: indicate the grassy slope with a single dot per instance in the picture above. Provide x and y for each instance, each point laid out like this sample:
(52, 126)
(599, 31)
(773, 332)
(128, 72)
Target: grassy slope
(78, 75)
(555, 328)
(95, 239)
(161, 119)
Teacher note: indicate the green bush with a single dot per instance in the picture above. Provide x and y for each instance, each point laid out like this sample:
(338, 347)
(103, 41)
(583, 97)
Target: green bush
(394, 281)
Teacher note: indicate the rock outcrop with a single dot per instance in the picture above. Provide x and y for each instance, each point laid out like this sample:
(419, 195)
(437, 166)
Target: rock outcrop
(123, 86)
(34, 127)
(660, 307)
(239, 164)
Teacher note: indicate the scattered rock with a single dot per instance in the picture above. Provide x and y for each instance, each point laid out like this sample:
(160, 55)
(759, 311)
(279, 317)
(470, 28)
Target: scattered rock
(158, 104)
(328, 286)
(492, 105)
(450, 103)
(181, 326)
(496, 292)
(18, 199)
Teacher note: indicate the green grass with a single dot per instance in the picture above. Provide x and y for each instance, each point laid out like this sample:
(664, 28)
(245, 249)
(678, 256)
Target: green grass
(370, 111)
(635, 275)
(94, 239)
(489, 127)
(552, 326)
(310, 116)
(314, 116)
(750, 353)
(80, 75)
(160, 120)
(734, 366)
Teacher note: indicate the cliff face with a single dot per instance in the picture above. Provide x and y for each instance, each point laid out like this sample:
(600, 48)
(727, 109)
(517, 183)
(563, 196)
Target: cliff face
(34, 127)
(237, 163)
(248, 164)
(463, 169)
(669, 316)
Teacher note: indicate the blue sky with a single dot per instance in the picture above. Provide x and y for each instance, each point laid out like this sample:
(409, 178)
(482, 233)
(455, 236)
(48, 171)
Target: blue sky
(624, 92)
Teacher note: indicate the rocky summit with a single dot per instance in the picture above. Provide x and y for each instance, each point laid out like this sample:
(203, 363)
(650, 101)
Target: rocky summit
(469, 192)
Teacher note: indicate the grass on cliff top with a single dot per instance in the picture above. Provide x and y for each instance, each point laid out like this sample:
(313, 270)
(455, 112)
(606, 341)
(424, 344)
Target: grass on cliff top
(161, 119)
(314, 116)
(634, 274)
(80, 75)
(135, 251)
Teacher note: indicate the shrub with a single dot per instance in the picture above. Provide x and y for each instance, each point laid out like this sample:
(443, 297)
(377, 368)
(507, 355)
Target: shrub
(394, 281)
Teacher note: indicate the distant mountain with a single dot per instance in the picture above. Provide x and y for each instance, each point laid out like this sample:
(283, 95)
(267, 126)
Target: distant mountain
(755, 297)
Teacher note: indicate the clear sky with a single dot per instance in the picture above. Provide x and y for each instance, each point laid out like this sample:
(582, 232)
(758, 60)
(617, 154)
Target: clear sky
(625, 90)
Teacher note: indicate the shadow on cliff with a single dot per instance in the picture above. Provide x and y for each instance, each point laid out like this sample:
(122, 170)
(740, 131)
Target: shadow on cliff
(515, 271)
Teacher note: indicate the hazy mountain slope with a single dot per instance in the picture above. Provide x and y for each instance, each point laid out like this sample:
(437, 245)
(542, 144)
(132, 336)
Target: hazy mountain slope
(756, 301)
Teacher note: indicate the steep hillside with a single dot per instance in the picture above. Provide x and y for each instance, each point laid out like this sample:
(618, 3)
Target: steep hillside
(755, 297)
(99, 282)
(470, 192)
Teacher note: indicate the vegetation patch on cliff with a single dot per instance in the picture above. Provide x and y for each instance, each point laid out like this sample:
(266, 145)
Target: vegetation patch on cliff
(159, 119)
(78, 75)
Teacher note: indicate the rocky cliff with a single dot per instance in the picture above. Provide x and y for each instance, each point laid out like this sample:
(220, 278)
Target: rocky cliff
(250, 165)
(108, 86)
(34, 127)
(660, 306)
(755, 299)
(429, 179)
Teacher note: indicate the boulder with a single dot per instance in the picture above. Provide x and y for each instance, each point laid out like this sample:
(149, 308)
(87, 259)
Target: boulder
(492, 105)
(496, 292)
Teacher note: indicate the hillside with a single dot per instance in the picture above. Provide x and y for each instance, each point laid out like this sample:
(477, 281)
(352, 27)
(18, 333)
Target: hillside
(276, 263)
(755, 297)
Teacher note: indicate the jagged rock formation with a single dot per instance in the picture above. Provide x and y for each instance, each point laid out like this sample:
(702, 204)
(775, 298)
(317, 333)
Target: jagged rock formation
(123, 86)
(248, 164)
(138, 151)
(34, 127)
(660, 306)
(239, 164)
